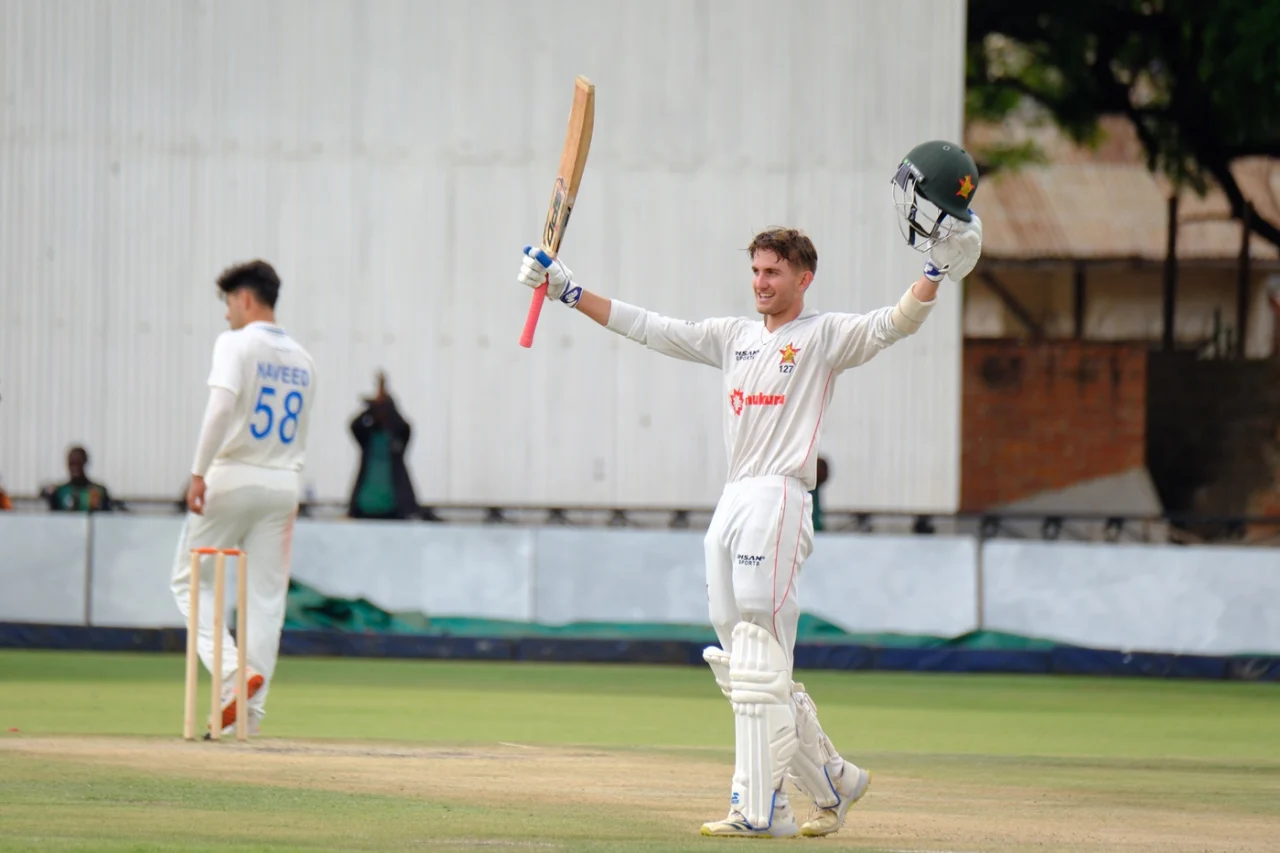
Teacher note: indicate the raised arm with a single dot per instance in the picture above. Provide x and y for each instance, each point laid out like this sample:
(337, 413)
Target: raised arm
(849, 340)
(596, 307)
(853, 339)
(702, 341)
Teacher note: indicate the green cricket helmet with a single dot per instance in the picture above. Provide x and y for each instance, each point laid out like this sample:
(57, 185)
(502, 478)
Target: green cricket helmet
(935, 182)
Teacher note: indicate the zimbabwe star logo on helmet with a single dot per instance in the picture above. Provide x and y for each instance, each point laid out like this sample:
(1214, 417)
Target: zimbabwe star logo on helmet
(933, 188)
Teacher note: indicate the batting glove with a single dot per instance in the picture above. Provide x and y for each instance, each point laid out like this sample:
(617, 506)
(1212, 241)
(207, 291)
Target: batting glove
(957, 255)
(538, 266)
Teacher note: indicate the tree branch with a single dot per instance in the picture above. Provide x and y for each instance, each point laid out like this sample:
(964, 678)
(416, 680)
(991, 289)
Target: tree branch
(1253, 149)
(1084, 59)
(1221, 172)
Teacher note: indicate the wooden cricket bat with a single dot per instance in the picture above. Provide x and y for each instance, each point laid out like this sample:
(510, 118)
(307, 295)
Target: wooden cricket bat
(573, 159)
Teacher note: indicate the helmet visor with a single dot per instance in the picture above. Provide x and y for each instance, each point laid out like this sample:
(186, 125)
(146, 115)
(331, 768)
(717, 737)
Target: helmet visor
(923, 223)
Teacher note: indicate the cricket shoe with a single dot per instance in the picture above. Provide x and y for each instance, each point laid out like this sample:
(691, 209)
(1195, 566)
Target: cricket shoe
(253, 683)
(255, 727)
(782, 824)
(850, 787)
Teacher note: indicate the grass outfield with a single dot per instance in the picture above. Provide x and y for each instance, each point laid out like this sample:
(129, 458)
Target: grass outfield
(445, 756)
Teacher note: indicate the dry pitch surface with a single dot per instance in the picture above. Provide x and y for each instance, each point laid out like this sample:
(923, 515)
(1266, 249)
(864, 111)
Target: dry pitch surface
(1121, 766)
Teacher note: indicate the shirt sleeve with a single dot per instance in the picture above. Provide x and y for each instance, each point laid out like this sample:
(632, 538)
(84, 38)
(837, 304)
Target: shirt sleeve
(849, 340)
(702, 341)
(218, 416)
(226, 372)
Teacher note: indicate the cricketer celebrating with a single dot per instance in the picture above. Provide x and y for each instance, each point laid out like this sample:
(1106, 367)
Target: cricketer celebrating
(778, 379)
(246, 476)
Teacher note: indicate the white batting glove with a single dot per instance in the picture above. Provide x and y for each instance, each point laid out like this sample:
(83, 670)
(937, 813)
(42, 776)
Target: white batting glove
(538, 266)
(957, 255)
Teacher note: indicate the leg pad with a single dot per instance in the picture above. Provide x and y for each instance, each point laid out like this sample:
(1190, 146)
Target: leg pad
(718, 660)
(765, 726)
(815, 754)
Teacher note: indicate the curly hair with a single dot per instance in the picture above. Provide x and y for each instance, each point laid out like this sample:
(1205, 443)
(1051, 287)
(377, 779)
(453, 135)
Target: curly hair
(258, 277)
(793, 246)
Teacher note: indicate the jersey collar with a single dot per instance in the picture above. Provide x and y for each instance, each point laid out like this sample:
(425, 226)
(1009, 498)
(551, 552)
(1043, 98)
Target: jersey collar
(766, 335)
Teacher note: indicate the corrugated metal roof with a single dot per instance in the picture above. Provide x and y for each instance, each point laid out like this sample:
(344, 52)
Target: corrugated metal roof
(1104, 204)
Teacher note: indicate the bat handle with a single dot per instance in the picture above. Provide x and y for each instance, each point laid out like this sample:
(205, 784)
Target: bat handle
(535, 309)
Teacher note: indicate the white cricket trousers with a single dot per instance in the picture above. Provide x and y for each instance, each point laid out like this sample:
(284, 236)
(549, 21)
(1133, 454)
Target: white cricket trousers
(759, 537)
(253, 509)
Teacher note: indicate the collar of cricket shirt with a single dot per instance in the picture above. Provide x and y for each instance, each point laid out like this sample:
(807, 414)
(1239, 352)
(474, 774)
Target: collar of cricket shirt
(766, 336)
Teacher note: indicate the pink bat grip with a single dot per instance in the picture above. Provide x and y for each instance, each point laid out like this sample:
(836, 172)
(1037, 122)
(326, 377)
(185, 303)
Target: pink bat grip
(535, 309)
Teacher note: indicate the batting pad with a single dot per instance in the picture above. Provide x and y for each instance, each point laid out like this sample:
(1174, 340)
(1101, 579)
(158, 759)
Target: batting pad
(765, 725)
(718, 659)
(814, 750)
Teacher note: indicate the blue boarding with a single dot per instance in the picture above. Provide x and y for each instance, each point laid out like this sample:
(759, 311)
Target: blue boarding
(1054, 660)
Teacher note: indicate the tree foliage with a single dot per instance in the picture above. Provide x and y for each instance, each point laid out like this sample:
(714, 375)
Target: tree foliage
(1199, 79)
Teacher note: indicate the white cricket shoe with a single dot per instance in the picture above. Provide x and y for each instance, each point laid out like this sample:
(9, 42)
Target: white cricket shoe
(781, 825)
(850, 787)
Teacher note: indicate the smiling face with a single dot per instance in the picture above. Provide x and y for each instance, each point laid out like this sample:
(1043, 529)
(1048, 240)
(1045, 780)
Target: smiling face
(783, 263)
(778, 287)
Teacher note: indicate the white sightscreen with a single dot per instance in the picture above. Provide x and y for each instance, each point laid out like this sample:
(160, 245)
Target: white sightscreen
(391, 158)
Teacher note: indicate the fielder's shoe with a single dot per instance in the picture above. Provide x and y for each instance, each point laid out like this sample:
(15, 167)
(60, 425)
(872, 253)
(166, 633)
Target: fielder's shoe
(255, 727)
(253, 683)
(782, 825)
(851, 787)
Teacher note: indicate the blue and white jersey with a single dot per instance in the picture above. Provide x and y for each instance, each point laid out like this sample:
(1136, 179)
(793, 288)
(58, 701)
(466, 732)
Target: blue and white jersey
(274, 380)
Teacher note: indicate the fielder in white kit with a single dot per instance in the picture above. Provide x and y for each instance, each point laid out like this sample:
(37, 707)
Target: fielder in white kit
(246, 476)
(779, 374)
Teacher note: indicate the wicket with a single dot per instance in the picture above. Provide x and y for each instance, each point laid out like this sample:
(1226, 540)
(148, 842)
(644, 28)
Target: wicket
(193, 656)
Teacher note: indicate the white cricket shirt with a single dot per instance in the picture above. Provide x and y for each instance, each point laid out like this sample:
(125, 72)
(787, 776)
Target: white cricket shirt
(274, 381)
(777, 385)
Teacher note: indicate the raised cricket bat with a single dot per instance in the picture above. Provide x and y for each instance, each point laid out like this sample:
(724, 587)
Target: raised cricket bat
(573, 159)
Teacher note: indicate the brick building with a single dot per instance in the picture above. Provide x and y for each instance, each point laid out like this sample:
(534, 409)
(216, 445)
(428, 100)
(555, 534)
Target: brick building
(1097, 378)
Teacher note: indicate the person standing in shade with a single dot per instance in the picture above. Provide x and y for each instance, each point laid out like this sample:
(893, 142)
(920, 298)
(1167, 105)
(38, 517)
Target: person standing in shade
(383, 488)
